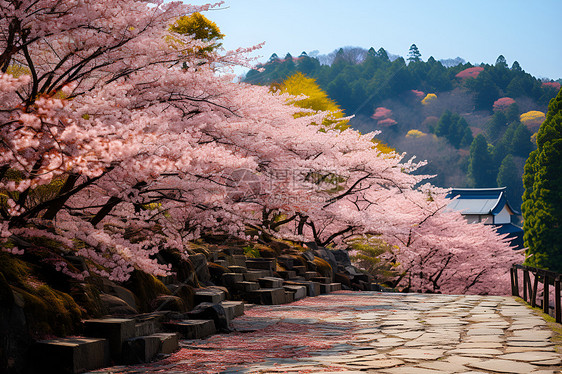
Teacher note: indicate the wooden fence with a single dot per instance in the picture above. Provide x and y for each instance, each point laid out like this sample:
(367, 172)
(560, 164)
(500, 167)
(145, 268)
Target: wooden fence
(547, 278)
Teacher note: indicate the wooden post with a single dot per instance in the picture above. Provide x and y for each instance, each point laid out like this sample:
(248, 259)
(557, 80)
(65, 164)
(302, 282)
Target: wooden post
(557, 300)
(534, 290)
(545, 301)
(526, 284)
(514, 282)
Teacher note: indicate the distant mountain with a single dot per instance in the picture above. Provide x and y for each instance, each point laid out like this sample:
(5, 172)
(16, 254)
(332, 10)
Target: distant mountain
(450, 62)
(408, 100)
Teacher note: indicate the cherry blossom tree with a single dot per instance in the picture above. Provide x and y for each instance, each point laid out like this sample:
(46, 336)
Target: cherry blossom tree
(118, 140)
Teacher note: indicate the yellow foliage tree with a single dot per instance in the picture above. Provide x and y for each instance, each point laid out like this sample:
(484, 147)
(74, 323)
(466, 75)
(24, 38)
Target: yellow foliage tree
(415, 134)
(429, 98)
(316, 99)
(200, 28)
(533, 119)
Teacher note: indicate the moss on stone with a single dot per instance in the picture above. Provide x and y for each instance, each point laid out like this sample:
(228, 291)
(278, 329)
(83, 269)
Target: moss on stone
(48, 311)
(323, 267)
(87, 296)
(146, 288)
(183, 269)
(266, 251)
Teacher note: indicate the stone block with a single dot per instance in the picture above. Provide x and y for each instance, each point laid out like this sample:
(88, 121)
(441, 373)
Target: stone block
(320, 280)
(238, 269)
(269, 264)
(192, 329)
(216, 312)
(267, 296)
(329, 287)
(214, 296)
(298, 291)
(312, 288)
(233, 309)
(254, 275)
(115, 330)
(236, 260)
(287, 262)
(300, 270)
(221, 262)
(287, 274)
(229, 279)
(236, 307)
(140, 349)
(71, 355)
(169, 342)
(270, 282)
(148, 327)
(308, 275)
(289, 297)
(246, 286)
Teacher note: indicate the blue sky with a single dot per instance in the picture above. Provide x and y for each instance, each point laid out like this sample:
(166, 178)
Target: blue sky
(476, 30)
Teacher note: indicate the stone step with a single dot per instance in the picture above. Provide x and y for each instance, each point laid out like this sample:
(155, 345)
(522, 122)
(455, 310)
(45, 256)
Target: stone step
(254, 275)
(229, 279)
(287, 274)
(233, 309)
(140, 349)
(271, 282)
(287, 262)
(246, 286)
(115, 330)
(300, 270)
(220, 262)
(289, 297)
(215, 312)
(147, 327)
(267, 296)
(204, 295)
(312, 288)
(71, 355)
(232, 250)
(192, 329)
(297, 279)
(308, 275)
(236, 260)
(238, 269)
(269, 264)
(329, 287)
(299, 292)
(323, 280)
(169, 342)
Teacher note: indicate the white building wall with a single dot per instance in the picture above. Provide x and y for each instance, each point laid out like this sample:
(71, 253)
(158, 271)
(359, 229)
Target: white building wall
(502, 217)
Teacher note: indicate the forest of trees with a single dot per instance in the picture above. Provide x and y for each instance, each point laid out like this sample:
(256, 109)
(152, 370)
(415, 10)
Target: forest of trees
(446, 106)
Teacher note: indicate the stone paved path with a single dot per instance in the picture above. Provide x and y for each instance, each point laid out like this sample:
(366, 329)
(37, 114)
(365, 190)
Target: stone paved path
(358, 332)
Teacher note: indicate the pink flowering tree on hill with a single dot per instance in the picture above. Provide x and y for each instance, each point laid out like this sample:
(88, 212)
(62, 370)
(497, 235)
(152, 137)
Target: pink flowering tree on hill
(503, 103)
(470, 72)
(119, 141)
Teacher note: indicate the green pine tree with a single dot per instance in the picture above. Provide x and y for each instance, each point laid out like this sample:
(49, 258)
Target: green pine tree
(481, 166)
(542, 200)
(414, 54)
(509, 177)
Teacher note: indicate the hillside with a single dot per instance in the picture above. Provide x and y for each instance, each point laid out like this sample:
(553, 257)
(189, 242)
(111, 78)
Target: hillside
(413, 102)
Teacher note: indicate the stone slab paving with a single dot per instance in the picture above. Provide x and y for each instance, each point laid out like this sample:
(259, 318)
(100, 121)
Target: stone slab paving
(370, 332)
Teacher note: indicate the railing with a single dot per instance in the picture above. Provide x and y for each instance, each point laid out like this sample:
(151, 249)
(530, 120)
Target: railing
(547, 278)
